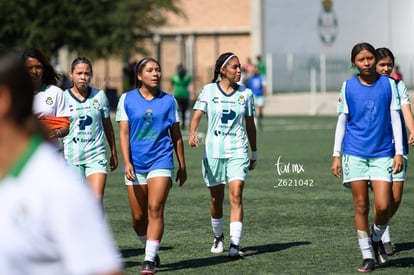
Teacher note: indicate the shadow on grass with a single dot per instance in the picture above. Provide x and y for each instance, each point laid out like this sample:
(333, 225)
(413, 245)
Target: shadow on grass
(223, 258)
(402, 262)
(136, 253)
(404, 246)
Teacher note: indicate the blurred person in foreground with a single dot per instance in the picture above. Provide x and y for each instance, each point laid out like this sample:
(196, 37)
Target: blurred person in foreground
(50, 221)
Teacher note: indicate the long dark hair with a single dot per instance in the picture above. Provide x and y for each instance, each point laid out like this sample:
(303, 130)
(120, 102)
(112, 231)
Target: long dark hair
(220, 62)
(14, 76)
(49, 74)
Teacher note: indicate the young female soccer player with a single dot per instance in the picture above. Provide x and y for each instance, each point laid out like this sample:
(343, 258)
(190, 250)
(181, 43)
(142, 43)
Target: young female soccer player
(149, 132)
(49, 103)
(367, 123)
(50, 221)
(385, 65)
(90, 123)
(227, 106)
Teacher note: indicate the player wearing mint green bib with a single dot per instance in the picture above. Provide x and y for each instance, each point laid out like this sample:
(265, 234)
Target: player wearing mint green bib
(230, 112)
(90, 123)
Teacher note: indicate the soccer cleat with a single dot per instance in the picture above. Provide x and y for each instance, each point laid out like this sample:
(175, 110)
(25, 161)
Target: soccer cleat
(389, 249)
(148, 267)
(379, 252)
(367, 266)
(218, 244)
(234, 251)
(157, 261)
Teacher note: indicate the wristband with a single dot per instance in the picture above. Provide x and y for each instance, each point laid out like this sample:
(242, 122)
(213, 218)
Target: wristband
(253, 155)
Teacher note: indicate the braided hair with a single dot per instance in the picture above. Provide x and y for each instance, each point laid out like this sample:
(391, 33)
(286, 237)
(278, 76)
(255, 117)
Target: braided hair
(221, 61)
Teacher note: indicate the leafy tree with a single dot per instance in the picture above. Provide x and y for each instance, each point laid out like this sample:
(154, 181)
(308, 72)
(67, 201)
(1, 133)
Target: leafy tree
(94, 27)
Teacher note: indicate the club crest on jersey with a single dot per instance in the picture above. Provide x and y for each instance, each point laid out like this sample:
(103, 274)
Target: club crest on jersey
(49, 100)
(242, 100)
(96, 104)
(148, 116)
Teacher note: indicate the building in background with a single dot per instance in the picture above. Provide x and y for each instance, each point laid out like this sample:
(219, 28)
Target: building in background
(305, 43)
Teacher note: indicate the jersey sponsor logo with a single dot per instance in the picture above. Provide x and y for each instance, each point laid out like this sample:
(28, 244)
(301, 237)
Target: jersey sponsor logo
(227, 115)
(49, 100)
(84, 121)
(147, 133)
(222, 133)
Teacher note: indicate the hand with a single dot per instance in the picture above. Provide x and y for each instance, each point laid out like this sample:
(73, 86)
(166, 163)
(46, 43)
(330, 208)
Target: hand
(129, 172)
(113, 163)
(411, 139)
(193, 140)
(397, 164)
(253, 160)
(181, 176)
(336, 167)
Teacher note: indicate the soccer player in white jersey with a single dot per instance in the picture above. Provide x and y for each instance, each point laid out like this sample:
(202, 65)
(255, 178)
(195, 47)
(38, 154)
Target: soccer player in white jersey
(384, 66)
(50, 222)
(369, 130)
(228, 107)
(149, 132)
(90, 122)
(49, 103)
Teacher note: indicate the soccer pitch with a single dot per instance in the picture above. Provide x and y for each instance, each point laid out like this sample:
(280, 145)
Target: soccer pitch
(298, 219)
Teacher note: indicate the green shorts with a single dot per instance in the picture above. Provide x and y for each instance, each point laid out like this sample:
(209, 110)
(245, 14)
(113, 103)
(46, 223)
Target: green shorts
(220, 170)
(401, 175)
(356, 168)
(87, 169)
(141, 178)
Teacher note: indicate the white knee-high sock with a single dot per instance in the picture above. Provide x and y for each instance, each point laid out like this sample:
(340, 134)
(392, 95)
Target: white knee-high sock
(386, 238)
(377, 232)
(236, 229)
(217, 226)
(364, 242)
(151, 250)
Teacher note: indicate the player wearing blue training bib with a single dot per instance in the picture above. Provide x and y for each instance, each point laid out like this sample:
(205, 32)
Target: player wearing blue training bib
(149, 132)
(150, 144)
(369, 129)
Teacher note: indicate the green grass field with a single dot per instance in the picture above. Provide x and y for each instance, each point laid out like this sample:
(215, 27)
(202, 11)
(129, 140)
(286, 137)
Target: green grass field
(298, 219)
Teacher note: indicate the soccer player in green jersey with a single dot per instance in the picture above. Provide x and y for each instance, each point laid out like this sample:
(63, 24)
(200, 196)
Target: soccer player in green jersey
(90, 123)
(228, 107)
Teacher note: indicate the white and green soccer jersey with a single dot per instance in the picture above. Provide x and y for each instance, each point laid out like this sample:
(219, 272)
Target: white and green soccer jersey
(86, 139)
(226, 136)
